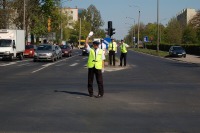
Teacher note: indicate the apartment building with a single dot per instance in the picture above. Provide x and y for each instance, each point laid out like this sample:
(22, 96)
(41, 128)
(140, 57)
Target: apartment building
(185, 16)
(73, 13)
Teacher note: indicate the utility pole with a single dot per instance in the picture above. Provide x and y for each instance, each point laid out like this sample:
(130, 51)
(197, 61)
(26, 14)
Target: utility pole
(138, 40)
(158, 38)
(5, 14)
(80, 33)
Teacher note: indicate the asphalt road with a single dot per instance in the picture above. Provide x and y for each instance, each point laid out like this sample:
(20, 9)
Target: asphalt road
(150, 95)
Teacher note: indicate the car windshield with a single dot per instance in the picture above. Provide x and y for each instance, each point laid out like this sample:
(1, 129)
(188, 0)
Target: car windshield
(29, 46)
(5, 43)
(178, 48)
(44, 47)
(64, 46)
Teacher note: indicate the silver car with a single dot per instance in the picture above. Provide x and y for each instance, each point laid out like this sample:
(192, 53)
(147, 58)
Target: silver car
(45, 52)
(58, 52)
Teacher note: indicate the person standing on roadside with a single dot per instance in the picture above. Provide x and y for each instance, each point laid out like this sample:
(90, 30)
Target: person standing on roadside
(102, 46)
(112, 48)
(94, 64)
(123, 49)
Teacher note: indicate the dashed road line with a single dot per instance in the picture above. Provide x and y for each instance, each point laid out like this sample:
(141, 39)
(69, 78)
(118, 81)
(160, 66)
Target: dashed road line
(74, 64)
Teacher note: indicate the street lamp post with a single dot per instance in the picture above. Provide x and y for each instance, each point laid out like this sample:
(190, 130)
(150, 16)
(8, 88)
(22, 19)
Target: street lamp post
(138, 40)
(133, 35)
(158, 38)
(24, 23)
(138, 23)
(61, 27)
(80, 33)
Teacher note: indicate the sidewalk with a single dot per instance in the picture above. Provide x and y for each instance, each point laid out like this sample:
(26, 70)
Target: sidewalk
(189, 59)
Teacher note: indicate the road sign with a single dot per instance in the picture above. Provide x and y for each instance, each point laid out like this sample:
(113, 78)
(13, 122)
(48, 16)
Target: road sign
(146, 39)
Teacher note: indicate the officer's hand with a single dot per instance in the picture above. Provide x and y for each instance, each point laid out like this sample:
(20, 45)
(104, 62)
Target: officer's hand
(90, 34)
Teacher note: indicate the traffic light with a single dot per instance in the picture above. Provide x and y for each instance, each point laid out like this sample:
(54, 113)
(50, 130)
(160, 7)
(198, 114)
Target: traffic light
(49, 24)
(112, 32)
(110, 29)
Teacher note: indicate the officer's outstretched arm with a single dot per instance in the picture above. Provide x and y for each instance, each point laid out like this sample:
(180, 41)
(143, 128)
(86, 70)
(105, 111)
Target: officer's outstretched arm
(87, 39)
(86, 42)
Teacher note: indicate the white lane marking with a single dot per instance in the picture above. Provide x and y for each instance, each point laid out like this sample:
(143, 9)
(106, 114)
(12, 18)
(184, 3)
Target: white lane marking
(60, 65)
(11, 63)
(38, 70)
(74, 64)
(23, 64)
(49, 64)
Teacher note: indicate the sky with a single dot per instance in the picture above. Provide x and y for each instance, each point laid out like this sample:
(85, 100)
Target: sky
(122, 13)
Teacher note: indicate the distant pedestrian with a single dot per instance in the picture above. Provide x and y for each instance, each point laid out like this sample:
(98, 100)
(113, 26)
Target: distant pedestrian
(112, 48)
(123, 49)
(102, 46)
(95, 63)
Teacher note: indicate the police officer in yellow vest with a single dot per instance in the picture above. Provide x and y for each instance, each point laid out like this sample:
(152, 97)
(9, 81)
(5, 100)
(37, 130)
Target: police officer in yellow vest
(94, 64)
(112, 48)
(123, 49)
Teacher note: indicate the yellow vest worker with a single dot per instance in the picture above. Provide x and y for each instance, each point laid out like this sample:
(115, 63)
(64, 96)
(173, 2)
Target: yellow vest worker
(95, 60)
(123, 49)
(112, 48)
(94, 64)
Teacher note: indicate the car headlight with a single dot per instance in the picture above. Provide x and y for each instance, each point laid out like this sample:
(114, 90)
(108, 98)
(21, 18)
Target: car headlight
(66, 52)
(31, 52)
(7, 52)
(49, 54)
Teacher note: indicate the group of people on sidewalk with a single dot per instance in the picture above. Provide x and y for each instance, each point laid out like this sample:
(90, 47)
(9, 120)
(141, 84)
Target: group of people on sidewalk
(96, 59)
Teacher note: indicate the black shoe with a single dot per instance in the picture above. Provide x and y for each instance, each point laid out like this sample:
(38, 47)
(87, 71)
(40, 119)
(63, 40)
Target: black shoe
(99, 96)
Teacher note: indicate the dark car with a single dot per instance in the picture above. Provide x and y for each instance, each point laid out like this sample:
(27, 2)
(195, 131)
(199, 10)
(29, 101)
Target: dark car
(66, 50)
(85, 51)
(29, 50)
(177, 51)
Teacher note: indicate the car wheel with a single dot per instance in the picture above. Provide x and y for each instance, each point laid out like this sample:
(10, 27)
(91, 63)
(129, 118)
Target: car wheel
(21, 57)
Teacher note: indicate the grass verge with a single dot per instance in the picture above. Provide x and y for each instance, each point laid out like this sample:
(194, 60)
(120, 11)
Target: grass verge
(151, 52)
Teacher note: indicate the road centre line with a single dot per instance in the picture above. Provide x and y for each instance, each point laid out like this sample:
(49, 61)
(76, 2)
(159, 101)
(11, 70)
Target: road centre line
(11, 63)
(50, 64)
(23, 64)
(74, 64)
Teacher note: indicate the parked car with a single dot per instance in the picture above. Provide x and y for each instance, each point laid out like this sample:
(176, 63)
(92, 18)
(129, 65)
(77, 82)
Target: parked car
(177, 51)
(85, 52)
(29, 51)
(45, 52)
(66, 50)
(58, 52)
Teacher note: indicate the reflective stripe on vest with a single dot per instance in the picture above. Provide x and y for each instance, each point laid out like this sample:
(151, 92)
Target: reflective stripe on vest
(123, 48)
(92, 62)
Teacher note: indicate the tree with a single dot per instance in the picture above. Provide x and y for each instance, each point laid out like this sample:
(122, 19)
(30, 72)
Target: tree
(195, 23)
(174, 31)
(93, 16)
(189, 35)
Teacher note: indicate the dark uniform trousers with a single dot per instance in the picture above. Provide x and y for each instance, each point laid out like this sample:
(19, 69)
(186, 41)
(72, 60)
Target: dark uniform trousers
(112, 57)
(99, 78)
(123, 56)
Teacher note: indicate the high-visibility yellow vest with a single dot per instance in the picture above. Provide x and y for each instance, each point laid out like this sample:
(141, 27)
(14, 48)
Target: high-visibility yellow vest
(112, 46)
(95, 61)
(123, 48)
